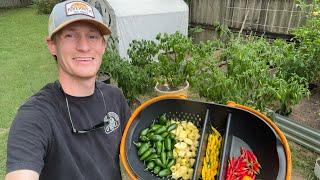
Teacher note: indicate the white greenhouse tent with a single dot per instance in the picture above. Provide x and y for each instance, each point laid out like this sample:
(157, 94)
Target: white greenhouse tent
(141, 19)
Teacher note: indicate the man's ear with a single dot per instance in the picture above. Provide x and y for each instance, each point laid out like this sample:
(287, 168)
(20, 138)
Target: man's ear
(105, 45)
(52, 47)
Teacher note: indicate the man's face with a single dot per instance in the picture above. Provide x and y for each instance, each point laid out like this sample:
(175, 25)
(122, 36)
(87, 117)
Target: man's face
(79, 48)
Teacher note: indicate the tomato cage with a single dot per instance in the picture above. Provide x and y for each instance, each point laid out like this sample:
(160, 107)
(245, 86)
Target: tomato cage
(239, 126)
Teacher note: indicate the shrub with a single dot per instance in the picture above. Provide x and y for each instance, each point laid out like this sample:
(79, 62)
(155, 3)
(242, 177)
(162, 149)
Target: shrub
(249, 80)
(46, 6)
(133, 80)
(308, 38)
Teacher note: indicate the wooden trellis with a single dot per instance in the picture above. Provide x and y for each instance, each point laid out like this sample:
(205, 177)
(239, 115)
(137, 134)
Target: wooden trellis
(271, 16)
(14, 3)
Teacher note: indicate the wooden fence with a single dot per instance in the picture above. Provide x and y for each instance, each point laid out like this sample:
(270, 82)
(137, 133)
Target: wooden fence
(264, 16)
(14, 3)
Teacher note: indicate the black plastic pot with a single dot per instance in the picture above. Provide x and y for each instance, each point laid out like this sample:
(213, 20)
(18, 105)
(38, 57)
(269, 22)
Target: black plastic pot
(104, 77)
(312, 86)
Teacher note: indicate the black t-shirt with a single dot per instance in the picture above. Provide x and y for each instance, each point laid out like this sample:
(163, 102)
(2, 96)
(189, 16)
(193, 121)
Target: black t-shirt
(41, 139)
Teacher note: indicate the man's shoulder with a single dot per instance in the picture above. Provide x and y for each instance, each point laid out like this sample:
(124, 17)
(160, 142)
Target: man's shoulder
(109, 89)
(45, 97)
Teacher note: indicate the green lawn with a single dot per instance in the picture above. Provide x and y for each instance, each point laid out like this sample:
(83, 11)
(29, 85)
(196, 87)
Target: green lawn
(26, 64)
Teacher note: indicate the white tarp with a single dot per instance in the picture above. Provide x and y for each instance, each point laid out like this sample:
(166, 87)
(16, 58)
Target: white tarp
(142, 19)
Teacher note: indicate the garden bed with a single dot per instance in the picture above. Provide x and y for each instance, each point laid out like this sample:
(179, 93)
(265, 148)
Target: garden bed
(308, 110)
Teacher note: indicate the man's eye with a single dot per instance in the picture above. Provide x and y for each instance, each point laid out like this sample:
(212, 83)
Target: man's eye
(93, 36)
(69, 35)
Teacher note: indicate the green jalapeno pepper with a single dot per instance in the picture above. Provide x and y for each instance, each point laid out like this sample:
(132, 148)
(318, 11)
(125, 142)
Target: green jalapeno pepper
(167, 144)
(144, 132)
(137, 144)
(143, 148)
(172, 127)
(146, 154)
(163, 157)
(169, 155)
(171, 163)
(163, 120)
(144, 138)
(158, 147)
(164, 173)
(161, 130)
(156, 138)
(159, 163)
(154, 127)
(156, 169)
(150, 165)
(152, 157)
(165, 134)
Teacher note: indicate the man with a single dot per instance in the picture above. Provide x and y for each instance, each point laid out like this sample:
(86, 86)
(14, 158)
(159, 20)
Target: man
(71, 129)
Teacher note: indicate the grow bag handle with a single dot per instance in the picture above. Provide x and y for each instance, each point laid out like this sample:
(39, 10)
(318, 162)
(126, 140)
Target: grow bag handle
(123, 157)
(275, 127)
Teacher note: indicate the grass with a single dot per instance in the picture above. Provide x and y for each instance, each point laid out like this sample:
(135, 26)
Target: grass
(26, 64)
(303, 161)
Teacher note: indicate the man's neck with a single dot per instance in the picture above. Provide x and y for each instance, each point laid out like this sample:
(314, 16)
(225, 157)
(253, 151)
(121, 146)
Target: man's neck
(77, 87)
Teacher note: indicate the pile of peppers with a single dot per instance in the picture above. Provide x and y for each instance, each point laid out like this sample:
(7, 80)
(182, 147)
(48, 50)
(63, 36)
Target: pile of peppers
(155, 147)
(246, 166)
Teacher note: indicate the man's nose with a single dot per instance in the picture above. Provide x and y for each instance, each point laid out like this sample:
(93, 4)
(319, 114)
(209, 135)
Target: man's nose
(83, 44)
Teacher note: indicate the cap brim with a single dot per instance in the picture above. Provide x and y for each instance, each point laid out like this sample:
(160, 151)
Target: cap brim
(102, 27)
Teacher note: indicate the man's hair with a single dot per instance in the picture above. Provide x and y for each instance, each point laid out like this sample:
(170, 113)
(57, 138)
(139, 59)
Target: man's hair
(54, 38)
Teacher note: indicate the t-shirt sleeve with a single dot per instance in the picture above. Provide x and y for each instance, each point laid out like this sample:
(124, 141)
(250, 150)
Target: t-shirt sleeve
(28, 140)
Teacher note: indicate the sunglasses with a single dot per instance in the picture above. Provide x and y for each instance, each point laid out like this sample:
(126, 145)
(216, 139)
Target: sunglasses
(93, 128)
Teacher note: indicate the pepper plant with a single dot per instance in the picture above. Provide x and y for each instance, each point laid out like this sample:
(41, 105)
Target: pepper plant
(174, 65)
(142, 52)
(133, 81)
(308, 38)
(249, 79)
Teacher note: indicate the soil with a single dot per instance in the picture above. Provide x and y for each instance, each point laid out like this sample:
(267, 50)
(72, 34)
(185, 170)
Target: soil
(307, 111)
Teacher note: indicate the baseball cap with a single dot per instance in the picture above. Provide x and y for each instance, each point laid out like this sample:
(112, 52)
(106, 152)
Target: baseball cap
(71, 11)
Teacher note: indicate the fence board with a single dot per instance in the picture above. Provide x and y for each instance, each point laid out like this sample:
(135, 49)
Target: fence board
(250, 8)
(229, 12)
(256, 14)
(14, 3)
(214, 7)
(222, 10)
(266, 16)
(279, 18)
(271, 15)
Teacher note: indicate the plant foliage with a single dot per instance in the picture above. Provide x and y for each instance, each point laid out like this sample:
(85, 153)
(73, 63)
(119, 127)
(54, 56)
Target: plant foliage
(308, 37)
(248, 78)
(46, 6)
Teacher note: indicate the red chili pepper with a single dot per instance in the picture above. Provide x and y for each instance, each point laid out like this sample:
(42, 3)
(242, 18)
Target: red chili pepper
(244, 165)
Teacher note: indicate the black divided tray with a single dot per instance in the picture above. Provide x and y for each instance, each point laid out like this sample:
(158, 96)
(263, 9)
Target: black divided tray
(239, 128)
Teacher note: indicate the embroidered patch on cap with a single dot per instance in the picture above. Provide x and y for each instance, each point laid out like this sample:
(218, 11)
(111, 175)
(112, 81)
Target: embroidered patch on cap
(75, 8)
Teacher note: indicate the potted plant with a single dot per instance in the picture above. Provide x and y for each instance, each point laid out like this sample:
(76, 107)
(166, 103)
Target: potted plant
(174, 65)
(108, 65)
(317, 168)
(104, 77)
